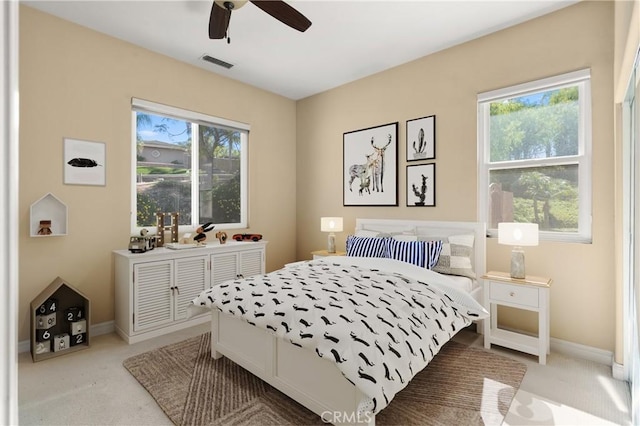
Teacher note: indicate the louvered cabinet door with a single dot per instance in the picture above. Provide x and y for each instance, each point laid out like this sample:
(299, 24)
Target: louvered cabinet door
(191, 278)
(153, 291)
(252, 263)
(152, 298)
(224, 267)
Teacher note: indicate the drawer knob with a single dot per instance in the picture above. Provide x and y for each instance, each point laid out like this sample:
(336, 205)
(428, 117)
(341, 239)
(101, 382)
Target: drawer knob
(512, 294)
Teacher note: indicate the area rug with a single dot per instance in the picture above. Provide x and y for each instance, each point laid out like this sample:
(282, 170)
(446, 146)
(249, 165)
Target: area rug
(461, 386)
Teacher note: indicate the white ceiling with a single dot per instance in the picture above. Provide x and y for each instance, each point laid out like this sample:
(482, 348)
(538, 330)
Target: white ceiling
(348, 40)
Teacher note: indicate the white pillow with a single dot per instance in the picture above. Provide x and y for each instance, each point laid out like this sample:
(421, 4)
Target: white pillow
(405, 237)
(455, 257)
(366, 233)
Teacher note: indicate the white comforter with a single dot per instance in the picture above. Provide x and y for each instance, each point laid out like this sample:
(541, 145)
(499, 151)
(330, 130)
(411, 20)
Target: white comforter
(379, 320)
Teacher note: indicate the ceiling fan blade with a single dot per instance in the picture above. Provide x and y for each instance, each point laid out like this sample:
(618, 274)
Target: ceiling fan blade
(218, 21)
(284, 13)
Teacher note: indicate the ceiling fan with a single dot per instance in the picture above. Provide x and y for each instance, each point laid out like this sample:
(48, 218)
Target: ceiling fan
(221, 14)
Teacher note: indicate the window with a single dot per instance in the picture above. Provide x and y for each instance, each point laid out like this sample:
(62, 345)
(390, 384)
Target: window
(534, 144)
(189, 163)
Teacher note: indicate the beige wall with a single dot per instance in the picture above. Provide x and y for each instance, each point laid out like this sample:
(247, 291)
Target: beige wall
(446, 84)
(78, 83)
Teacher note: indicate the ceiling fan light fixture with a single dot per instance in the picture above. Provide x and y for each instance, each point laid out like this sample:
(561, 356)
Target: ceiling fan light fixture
(279, 9)
(230, 4)
(216, 61)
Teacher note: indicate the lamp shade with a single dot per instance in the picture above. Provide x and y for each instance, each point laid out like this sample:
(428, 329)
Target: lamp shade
(331, 224)
(518, 234)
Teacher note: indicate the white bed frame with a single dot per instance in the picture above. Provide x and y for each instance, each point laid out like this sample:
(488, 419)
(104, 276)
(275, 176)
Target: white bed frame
(299, 373)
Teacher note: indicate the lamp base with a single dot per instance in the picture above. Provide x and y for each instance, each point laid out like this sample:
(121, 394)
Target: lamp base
(331, 243)
(517, 263)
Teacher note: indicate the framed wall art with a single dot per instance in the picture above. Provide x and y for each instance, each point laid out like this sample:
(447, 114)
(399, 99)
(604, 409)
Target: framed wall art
(84, 162)
(370, 166)
(421, 185)
(421, 138)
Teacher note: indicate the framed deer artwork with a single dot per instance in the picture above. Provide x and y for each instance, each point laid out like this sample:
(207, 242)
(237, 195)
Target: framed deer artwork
(421, 138)
(370, 166)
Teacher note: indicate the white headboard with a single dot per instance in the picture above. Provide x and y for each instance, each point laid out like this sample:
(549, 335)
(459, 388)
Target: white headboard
(435, 229)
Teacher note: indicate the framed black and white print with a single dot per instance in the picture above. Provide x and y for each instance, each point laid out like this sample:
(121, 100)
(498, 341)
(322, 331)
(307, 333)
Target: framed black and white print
(84, 162)
(370, 166)
(421, 138)
(421, 185)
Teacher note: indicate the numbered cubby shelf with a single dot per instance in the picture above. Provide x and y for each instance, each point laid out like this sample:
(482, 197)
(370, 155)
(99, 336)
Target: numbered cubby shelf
(48, 208)
(64, 297)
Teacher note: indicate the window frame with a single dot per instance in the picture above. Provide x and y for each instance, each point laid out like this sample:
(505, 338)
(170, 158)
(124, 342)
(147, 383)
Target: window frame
(580, 78)
(195, 119)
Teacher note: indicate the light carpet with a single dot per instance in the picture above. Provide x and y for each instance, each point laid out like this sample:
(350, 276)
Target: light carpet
(462, 385)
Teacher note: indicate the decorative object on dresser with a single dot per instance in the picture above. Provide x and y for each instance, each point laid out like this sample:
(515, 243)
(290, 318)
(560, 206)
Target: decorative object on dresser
(518, 235)
(421, 185)
(221, 236)
(247, 237)
(161, 227)
(152, 292)
(531, 294)
(143, 242)
(60, 317)
(421, 138)
(202, 230)
(370, 166)
(331, 225)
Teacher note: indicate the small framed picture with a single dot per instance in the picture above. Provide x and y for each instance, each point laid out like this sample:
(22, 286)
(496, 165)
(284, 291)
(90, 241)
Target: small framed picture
(84, 162)
(421, 185)
(421, 138)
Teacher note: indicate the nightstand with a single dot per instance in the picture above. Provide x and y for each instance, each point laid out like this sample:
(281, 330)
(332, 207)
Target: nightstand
(531, 294)
(323, 253)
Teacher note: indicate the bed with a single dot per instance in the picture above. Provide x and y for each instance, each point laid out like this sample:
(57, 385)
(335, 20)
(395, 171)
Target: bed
(342, 335)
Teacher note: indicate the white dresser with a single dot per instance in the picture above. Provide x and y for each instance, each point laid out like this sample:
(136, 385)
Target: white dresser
(154, 289)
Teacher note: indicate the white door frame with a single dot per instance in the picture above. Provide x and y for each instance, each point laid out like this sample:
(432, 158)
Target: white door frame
(9, 212)
(631, 237)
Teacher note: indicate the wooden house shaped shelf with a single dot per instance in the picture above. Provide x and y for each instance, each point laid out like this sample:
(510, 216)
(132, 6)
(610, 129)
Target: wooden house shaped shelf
(48, 209)
(60, 321)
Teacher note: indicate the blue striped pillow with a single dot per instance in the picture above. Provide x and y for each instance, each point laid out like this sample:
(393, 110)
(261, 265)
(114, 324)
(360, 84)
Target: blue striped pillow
(366, 246)
(424, 254)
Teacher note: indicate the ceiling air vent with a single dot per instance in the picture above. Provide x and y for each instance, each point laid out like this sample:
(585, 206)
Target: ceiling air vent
(216, 61)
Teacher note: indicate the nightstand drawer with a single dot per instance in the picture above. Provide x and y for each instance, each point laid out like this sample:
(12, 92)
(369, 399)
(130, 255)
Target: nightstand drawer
(525, 296)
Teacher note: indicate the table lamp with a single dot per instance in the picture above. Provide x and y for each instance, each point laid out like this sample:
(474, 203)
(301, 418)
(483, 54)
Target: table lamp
(517, 235)
(331, 225)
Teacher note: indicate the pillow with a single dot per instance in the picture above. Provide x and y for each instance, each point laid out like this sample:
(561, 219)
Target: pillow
(402, 236)
(365, 246)
(405, 237)
(367, 234)
(420, 253)
(383, 229)
(455, 257)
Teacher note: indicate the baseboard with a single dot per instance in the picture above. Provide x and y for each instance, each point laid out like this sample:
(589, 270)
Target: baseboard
(96, 330)
(618, 371)
(577, 350)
